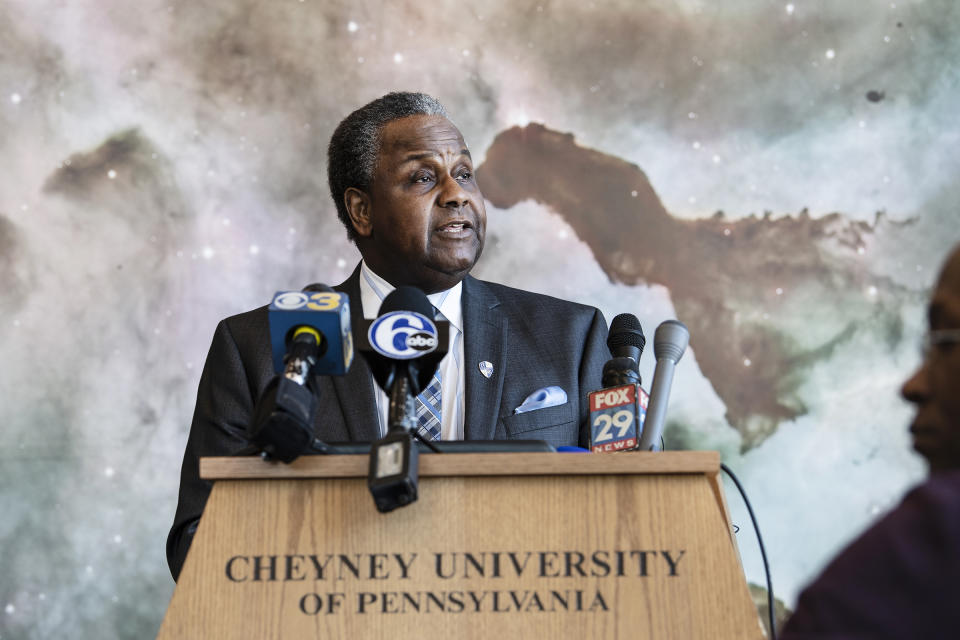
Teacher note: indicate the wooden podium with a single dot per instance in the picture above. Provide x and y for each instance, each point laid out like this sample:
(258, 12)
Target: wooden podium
(516, 545)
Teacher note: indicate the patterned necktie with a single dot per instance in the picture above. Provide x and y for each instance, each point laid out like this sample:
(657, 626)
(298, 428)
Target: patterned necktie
(428, 410)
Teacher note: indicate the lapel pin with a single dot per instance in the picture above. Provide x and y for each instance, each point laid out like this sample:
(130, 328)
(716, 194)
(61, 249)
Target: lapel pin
(486, 368)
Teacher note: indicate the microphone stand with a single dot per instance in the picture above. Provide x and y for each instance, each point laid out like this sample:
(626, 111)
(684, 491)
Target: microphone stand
(394, 459)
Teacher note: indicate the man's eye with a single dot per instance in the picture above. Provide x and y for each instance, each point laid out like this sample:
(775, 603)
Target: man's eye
(422, 177)
(465, 175)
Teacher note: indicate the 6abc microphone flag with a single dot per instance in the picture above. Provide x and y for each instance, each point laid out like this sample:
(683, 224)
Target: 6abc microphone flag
(403, 347)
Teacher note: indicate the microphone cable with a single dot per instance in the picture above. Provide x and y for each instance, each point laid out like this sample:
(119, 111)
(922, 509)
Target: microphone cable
(427, 443)
(763, 551)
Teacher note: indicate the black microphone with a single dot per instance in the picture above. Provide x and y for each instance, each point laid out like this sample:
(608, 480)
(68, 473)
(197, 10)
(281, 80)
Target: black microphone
(312, 331)
(669, 342)
(403, 346)
(619, 408)
(626, 342)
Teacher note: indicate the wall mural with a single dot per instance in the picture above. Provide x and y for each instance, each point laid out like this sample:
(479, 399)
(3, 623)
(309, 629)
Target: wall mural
(781, 176)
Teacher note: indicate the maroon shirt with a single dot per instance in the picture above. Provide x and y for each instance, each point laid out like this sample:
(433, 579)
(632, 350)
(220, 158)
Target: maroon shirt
(900, 579)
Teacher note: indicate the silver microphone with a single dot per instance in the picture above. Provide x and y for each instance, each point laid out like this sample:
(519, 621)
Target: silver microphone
(669, 342)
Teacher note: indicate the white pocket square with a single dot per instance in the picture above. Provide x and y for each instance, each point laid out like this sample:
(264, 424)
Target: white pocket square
(542, 398)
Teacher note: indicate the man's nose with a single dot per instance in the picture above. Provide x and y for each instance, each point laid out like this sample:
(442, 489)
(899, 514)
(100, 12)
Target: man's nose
(453, 195)
(915, 389)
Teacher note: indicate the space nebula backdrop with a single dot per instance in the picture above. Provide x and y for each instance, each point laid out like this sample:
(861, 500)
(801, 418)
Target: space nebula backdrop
(781, 176)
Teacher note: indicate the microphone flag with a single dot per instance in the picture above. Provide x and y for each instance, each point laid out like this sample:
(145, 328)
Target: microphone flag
(616, 417)
(327, 312)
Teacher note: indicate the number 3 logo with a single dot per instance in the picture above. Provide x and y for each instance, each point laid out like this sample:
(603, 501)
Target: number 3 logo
(621, 420)
(324, 301)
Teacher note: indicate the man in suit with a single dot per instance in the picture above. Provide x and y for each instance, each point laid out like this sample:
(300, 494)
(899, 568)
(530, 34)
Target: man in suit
(901, 579)
(403, 183)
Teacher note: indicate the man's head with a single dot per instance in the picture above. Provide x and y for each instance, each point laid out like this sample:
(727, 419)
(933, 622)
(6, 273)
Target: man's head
(935, 387)
(402, 179)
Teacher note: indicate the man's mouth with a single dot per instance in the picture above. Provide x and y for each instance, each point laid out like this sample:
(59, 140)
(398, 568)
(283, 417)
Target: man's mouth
(456, 228)
(924, 436)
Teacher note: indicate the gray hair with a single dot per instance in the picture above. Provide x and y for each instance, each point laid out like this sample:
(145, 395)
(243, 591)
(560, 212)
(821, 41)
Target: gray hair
(355, 144)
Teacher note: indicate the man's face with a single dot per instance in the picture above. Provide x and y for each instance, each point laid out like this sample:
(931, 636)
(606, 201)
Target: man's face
(935, 387)
(423, 221)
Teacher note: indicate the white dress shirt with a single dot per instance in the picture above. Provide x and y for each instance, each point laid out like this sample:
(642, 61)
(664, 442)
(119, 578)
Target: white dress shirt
(373, 289)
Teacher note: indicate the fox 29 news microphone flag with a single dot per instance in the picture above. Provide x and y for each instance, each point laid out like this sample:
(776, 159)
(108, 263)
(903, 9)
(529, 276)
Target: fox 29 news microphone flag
(618, 410)
(615, 414)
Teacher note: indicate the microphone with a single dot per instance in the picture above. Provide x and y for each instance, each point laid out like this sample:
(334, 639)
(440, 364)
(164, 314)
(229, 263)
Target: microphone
(326, 312)
(626, 339)
(618, 410)
(310, 335)
(669, 342)
(404, 342)
(403, 346)
(626, 342)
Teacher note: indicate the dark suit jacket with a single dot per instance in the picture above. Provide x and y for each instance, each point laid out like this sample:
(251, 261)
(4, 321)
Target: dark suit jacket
(532, 340)
(900, 579)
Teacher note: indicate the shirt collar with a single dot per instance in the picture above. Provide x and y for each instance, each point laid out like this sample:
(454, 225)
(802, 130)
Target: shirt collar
(373, 289)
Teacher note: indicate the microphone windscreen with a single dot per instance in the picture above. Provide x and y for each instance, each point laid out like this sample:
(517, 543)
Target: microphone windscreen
(407, 299)
(670, 340)
(620, 371)
(625, 331)
(318, 287)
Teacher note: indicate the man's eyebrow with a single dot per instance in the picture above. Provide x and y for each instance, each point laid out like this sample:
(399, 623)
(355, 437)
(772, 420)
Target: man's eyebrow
(418, 156)
(423, 155)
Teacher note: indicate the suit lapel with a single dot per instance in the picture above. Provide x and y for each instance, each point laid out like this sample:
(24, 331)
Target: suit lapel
(484, 339)
(355, 391)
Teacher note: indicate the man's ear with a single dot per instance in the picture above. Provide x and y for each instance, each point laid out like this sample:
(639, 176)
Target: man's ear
(358, 208)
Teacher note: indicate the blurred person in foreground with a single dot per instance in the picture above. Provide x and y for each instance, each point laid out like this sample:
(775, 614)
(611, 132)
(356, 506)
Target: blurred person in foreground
(901, 578)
